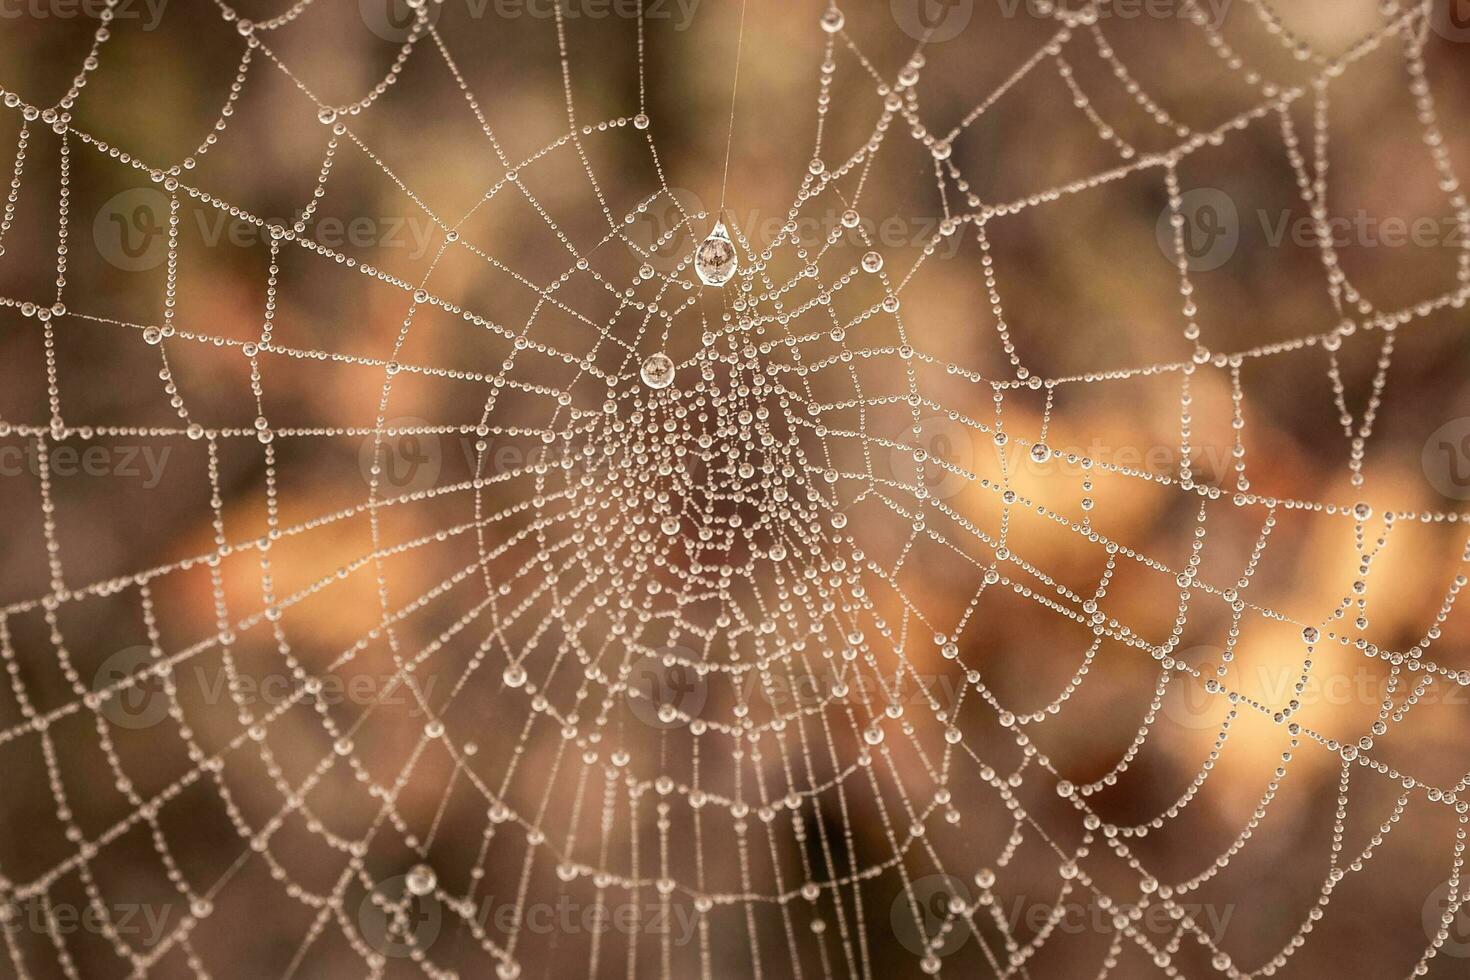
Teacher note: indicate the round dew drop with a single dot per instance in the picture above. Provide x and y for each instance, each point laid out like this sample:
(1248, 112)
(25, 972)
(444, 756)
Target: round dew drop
(658, 371)
(421, 879)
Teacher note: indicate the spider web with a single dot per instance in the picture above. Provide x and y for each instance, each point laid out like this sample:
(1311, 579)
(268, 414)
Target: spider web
(699, 680)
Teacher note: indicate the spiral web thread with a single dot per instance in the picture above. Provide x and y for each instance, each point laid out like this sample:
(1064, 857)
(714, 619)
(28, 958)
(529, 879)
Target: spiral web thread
(715, 530)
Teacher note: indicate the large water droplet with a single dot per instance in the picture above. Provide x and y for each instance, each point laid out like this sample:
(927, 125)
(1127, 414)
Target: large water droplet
(421, 879)
(715, 260)
(658, 371)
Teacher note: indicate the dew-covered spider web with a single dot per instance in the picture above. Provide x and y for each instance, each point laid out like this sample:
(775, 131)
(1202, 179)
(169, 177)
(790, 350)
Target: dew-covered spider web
(733, 491)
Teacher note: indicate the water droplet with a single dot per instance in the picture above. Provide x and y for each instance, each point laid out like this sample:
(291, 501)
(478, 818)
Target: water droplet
(715, 260)
(515, 675)
(1310, 634)
(421, 879)
(640, 121)
(872, 262)
(658, 371)
(850, 218)
(832, 20)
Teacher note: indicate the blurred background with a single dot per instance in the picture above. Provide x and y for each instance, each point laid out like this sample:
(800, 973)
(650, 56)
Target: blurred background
(249, 478)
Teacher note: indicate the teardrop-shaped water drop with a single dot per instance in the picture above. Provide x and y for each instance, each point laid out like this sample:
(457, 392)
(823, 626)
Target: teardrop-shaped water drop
(715, 260)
